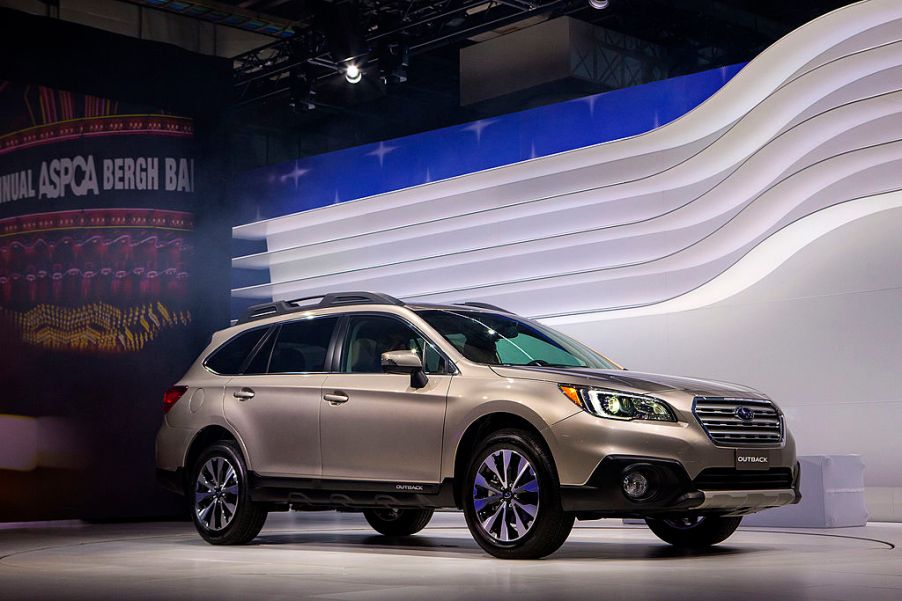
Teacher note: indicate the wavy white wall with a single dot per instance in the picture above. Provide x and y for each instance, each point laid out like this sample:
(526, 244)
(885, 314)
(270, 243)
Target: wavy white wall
(678, 225)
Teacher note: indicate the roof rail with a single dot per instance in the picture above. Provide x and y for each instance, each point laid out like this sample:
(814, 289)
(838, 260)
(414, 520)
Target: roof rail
(336, 299)
(332, 299)
(484, 306)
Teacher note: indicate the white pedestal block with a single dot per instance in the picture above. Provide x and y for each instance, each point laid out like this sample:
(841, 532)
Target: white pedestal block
(832, 496)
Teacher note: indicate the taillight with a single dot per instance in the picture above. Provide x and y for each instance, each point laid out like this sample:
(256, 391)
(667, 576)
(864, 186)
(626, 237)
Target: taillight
(171, 397)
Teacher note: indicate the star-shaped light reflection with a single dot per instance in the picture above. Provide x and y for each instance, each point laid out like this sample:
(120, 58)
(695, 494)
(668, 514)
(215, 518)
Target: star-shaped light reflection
(294, 174)
(478, 126)
(380, 151)
(590, 102)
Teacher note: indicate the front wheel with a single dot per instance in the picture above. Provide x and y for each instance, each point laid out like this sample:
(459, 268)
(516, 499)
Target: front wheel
(694, 531)
(512, 499)
(398, 522)
(221, 507)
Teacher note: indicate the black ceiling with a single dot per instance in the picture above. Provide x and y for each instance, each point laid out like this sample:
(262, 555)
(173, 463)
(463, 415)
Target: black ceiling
(694, 34)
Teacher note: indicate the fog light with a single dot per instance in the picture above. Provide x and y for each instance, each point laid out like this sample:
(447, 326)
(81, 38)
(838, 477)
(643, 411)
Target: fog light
(636, 485)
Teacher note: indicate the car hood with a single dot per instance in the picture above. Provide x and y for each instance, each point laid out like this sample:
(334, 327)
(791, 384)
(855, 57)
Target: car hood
(633, 380)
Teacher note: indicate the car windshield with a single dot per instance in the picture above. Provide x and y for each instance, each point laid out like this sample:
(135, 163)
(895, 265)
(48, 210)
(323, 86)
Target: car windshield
(496, 339)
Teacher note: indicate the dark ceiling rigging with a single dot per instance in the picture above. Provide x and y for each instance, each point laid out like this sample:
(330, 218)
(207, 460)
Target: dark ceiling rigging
(378, 37)
(317, 39)
(408, 52)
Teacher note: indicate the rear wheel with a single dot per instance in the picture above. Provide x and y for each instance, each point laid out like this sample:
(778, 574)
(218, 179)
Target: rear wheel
(221, 507)
(512, 499)
(398, 522)
(694, 531)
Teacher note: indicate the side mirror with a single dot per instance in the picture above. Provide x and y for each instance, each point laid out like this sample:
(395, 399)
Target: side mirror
(405, 362)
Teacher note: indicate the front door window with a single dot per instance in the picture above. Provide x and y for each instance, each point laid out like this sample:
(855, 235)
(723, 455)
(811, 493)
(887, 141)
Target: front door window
(371, 335)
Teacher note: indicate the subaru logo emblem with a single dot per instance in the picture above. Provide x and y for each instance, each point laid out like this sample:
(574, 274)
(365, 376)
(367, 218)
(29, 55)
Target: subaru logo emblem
(744, 413)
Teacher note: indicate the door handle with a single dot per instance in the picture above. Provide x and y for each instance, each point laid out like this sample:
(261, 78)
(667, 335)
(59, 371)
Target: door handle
(336, 399)
(243, 394)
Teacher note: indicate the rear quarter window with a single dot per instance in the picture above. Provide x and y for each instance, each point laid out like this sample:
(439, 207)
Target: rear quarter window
(230, 357)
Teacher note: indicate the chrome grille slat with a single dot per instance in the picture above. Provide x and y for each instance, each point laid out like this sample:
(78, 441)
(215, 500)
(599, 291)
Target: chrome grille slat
(733, 401)
(733, 426)
(741, 433)
(718, 417)
(723, 419)
(730, 412)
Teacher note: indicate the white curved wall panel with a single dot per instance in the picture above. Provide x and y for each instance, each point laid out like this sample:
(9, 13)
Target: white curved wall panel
(871, 85)
(867, 37)
(757, 264)
(614, 240)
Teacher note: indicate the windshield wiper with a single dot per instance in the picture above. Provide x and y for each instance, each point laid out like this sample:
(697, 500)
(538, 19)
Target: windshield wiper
(546, 365)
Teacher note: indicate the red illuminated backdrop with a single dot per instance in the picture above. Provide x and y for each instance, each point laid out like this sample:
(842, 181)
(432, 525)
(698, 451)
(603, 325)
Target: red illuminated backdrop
(95, 279)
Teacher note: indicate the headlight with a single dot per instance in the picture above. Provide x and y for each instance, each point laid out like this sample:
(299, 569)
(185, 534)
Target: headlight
(614, 404)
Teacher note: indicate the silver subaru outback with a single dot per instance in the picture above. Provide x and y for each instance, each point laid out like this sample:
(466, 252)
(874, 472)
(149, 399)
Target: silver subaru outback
(358, 401)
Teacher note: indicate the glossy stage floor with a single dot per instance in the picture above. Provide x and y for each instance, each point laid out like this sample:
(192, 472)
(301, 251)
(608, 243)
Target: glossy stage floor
(337, 557)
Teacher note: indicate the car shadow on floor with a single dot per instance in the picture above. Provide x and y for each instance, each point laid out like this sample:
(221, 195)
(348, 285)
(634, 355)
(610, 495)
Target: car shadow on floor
(426, 544)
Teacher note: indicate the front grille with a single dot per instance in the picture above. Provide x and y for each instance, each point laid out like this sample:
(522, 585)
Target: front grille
(720, 478)
(720, 418)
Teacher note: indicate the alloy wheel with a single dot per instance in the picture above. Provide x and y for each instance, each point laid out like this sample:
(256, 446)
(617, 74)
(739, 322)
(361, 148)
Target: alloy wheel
(216, 494)
(506, 495)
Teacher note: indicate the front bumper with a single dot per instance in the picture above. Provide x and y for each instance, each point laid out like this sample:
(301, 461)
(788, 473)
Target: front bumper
(720, 491)
(739, 502)
(580, 442)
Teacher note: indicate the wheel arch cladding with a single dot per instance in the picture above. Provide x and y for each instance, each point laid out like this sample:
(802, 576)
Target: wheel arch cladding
(203, 439)
(479, 429)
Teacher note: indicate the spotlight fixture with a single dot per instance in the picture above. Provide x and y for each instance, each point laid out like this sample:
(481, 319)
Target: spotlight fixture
(353, 73)
(394, 58)
(599, 4)
(301, 92)
(342, 26)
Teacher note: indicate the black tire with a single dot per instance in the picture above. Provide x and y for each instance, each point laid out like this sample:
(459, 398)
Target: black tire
(694, 532)
(215, 523)
(398, 522)
(537, 537)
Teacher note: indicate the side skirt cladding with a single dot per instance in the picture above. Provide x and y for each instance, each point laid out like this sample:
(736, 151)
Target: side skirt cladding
(315, 493)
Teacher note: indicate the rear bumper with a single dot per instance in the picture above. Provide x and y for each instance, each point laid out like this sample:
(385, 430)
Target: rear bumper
(172, 480)
(738, 493)
(172, 446)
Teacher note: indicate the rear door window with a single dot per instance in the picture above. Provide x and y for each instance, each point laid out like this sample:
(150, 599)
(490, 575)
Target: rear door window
(302, 346)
